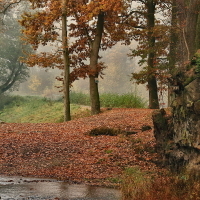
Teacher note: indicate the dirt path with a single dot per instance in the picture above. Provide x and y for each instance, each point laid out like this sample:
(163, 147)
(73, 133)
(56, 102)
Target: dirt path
(66, 151)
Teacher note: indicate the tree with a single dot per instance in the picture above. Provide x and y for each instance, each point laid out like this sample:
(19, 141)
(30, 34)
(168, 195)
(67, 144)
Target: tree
(118, 70)
(88, 33)
(188, 19)
(66, 58)
(13, 71)
(152, 36)
(95, 29)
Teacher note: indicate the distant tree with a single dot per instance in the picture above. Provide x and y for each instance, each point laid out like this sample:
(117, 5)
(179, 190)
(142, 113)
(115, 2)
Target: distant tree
(12, 70)
(118, 70)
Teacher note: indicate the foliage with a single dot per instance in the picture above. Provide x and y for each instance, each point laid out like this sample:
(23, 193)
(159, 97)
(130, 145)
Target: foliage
(153, 38)
(81, 29)
(151, 31)
(89, 30)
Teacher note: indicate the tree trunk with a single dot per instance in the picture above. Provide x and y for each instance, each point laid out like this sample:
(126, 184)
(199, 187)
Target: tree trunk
(94, 54)
(153, 94)
(173, 57)
(152, 83)
(197, 42)
(188, 13)
(67, 116)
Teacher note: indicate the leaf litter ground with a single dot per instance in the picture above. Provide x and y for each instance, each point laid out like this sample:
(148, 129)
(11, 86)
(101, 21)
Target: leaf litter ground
(67, 152)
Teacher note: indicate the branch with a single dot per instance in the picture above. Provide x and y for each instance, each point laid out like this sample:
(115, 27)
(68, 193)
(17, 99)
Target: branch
(12, 78)
(8, 6)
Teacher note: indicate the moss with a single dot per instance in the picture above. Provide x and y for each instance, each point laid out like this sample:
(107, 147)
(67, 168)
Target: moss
(189, 80)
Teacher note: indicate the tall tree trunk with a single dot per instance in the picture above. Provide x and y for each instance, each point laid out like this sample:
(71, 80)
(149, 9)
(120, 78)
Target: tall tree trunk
(67, 115)
(197, 42)
(187, 19)
(94, 54)
(173, 56)
(152, 83)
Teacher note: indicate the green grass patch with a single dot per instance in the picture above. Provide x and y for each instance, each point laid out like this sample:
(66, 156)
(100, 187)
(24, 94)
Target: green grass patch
(110, 100)
(33, 109)
(36, 110)
(122, 101)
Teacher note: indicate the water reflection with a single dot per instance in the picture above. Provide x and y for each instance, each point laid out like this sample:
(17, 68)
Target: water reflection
(17, 188)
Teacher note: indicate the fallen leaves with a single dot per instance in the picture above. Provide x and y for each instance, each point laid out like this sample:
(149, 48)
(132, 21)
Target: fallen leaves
(66, 151)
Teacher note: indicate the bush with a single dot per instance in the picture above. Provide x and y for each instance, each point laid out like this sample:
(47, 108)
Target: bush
(110, 100)
(79, 98)
(128, 100)
(9, 100)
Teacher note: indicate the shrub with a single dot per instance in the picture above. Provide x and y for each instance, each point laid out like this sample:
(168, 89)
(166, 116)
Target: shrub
(79, 98)
(110, 100)
(125, 100)
(9, 100)
(134, 184)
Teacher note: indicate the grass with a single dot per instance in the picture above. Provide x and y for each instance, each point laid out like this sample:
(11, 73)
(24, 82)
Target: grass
(37, 110)
(122, 101)
(110, 100)
(136, 184)
(34, 109)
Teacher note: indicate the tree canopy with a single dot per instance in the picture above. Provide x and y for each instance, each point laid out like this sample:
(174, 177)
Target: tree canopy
(13, 71)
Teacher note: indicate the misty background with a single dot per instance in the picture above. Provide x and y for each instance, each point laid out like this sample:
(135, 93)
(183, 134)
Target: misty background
(116, 78)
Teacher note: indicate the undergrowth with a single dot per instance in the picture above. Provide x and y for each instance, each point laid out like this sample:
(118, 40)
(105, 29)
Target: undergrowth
(110, 100)
(137, 184)
(33, 109)
(37, 110)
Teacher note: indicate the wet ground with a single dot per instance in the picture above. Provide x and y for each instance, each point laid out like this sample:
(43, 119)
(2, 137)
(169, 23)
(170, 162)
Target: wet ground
(20, 188)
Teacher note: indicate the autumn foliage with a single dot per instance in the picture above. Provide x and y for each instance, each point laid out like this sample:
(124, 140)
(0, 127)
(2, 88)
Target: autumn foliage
(82, 26)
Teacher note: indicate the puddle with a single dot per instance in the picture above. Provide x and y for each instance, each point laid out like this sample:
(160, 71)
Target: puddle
(20, 188)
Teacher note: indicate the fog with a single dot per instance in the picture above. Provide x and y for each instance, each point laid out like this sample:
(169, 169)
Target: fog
(116, 78)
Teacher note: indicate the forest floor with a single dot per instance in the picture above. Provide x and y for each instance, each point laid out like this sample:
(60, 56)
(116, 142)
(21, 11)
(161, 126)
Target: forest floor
(66, 151)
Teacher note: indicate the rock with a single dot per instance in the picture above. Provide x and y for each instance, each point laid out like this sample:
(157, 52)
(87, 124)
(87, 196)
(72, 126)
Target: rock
(178, 134)
(197, 107)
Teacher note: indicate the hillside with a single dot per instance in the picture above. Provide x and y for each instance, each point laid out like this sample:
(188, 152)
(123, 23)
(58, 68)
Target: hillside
(66, 150)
